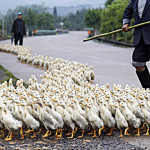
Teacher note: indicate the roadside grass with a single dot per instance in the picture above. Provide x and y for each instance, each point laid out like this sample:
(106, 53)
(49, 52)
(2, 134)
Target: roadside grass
(5, 75)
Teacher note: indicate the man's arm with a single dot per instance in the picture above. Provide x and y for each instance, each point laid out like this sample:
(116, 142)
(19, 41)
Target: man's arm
(127, 16)
(13, 28)
(24, 30)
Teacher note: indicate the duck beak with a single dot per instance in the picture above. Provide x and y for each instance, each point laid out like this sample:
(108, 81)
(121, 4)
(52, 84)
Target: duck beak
(9, 99)
(69, 105)
(19, 104)
(21, 97)
(20, 93)
(42, 96)
(120, 106)
(34, 103)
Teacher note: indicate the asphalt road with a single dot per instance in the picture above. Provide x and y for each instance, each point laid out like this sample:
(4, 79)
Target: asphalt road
(112, 64)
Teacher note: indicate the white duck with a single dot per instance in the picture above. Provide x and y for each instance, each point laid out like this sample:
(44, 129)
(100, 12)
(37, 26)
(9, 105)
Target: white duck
(120, 119)
(94, 120)
(10, 123)
(79, 119)
(130, 117)
(60, 108)
(107, 117)
(48, 120)
(29, 120)
(146, 115)
(51, 110)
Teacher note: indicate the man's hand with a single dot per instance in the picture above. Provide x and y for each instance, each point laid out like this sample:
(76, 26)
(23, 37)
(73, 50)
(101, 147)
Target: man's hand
(125, 27)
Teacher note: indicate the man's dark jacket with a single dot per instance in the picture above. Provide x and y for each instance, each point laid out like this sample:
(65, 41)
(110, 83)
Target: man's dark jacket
(15, 27)
(145, 30)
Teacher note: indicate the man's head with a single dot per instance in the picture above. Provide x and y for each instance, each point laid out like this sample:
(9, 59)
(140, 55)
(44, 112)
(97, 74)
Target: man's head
(19, 15)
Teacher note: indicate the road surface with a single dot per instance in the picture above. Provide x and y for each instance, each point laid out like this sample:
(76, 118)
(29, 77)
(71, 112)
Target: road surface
(112, 64)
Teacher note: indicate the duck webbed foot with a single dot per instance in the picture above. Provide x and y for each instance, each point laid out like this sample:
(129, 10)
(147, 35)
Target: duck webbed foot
(21, 132)
(143, 127)
(34, 135)
(100, 131)
(28, 131)
(94, 134)
(72, 135)
(60, 136)
(138, 132)
(39, 131)
(121, 134)
(109, 134)
(69, 132)
(82, 134)
(9, 137)
(76, 129)
(126, 132)
(46, 134)
(3, 132)
(147, 133)
(91, 132)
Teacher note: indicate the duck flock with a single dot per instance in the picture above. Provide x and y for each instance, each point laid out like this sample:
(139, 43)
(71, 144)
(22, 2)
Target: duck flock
(65, 99)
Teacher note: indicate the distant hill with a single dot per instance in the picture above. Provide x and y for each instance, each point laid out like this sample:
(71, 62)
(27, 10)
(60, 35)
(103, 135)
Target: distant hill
(63, 11)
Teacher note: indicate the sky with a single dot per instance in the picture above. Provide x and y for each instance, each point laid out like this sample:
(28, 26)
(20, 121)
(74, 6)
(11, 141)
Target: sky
(5, 4)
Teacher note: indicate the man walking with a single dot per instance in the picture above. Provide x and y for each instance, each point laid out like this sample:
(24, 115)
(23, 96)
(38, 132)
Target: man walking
(18, 29)
(141, 54)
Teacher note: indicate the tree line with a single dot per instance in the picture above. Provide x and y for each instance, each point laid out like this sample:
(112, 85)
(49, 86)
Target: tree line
(109, 18)
(37, 17)
(101, 19)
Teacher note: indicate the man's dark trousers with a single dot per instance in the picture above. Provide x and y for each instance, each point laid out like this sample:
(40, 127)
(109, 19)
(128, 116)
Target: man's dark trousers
(18, 37)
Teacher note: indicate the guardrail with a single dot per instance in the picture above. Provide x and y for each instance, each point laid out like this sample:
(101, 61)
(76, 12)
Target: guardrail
(115, 42)
(50, 32)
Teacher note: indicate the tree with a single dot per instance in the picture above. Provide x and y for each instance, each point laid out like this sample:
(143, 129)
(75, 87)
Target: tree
(35, 16)
(93, 18)
(55, 12)
(66, 23)
(72, 21)
(112, 17)
(55, 15)
(108, 2)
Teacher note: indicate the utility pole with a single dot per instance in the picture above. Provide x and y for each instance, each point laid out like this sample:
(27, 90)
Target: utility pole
(55, 16)
(3, 23)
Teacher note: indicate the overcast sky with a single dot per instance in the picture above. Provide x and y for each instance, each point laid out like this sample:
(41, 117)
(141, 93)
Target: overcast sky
(5, 4)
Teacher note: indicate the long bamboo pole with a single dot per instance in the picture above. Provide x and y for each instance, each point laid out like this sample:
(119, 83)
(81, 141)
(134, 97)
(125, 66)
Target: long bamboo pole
(116, 31)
